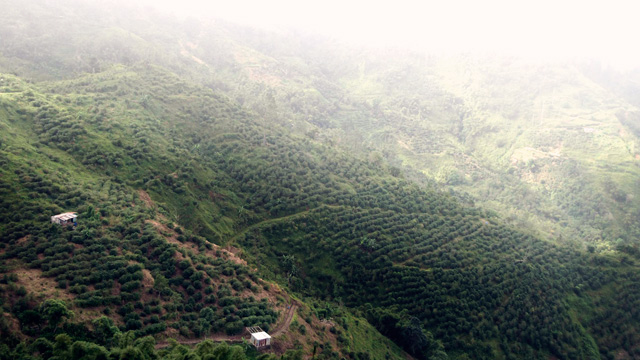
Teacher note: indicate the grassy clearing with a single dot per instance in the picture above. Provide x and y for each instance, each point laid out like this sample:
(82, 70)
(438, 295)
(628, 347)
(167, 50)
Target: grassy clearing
(363, 337)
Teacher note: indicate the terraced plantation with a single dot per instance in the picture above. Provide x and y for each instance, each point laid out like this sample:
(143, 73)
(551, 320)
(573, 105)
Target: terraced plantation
(353, 204)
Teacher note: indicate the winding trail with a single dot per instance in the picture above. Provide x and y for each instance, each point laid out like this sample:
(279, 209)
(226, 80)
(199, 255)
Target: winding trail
(284, 325)
(268, 221)
(277, 331)
(282, 218)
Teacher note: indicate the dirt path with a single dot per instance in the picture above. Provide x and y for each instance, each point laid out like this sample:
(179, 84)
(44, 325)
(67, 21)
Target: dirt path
(220, 337)
(277, 331)
(280, 329)
(278, 219)
(265, 222)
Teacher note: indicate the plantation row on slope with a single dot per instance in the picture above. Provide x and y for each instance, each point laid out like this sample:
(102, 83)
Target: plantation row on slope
(216, 184)
(552, 147)
(128, 258)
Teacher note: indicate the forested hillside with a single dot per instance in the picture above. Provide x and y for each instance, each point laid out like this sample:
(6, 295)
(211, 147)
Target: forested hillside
(552, 147)
(356, 204)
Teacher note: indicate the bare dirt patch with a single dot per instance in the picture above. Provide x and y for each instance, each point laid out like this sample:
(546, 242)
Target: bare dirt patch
(234, 254)
(526, 154)
(13, 324)
(229, 252)
(146, 199)
(286, 337)
(184, 52)
(40, 286)
(147, 293)
(164, 230)
(147, 278)
(23, 239)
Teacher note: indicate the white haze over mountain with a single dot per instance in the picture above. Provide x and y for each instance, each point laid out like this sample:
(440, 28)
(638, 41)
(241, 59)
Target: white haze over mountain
(539, 30)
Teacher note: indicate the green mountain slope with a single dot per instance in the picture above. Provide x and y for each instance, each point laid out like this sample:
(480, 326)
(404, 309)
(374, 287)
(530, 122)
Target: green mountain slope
(221, 178)
(542, 144)
(153, 268)
(550, 146)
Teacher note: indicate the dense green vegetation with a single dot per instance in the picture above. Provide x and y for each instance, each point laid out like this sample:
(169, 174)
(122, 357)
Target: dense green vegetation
(348, 180)
(102, 260)
(119, 261)
(127, 346)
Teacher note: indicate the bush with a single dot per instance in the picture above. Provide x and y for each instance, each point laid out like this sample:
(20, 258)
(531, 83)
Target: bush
(233, 328)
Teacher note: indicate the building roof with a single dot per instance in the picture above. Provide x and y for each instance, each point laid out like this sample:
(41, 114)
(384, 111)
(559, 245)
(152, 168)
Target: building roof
(261, 335)
(66, 216)
(254, 329)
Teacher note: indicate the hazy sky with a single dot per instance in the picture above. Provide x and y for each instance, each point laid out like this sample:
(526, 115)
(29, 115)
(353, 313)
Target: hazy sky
(546, 29)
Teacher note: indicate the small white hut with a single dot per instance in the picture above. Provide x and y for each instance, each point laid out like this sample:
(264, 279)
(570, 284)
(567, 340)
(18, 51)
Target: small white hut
(259, 338)
(68, 218)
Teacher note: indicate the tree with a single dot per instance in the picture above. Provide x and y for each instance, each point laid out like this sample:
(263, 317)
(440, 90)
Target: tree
(221, 352)
(62, 346)
(205, 347)
(87, 350)
(207, 317)
(124, 340)
(104, 330)
(289, 263)
(55, 311)
(30, 318)
(414, 336)
(43, 346)
(131, 353)
(292, 355)
(146, 345)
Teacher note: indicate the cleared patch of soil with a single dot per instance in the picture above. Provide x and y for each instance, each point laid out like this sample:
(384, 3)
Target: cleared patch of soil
(146, 199)
(229, 252)
(23, 239)
(13, 324)
(40, 286)
(147, 278)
